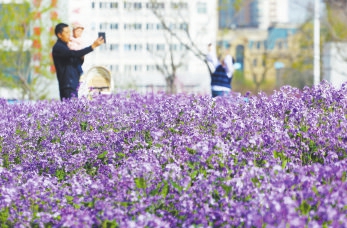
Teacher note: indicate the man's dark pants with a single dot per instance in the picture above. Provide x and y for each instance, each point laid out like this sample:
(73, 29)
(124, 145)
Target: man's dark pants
(67, 93)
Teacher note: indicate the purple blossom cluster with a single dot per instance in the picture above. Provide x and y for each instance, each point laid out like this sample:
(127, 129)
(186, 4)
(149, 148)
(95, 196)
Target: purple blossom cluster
(156, 160)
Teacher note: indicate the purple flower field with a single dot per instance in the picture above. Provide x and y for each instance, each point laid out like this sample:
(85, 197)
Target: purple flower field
(131, 160)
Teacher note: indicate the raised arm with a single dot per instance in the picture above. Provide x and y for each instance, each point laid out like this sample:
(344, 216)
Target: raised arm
(229, 65)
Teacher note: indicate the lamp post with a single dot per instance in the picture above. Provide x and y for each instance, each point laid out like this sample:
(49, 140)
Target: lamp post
(279, 66)
(316, 57)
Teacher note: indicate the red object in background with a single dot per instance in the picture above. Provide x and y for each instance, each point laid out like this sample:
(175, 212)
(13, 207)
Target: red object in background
(54, 15)
(37, 15)
(36, 43)
(37, 3)
(54, 3)
(37, 31)
(51, 30)
(52, 69)
(37, 56)
(76, 11)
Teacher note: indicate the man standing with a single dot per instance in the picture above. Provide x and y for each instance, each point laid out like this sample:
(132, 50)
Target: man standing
(66, 61)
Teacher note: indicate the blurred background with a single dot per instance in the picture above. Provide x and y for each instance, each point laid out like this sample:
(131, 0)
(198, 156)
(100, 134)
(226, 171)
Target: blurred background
(160, 45)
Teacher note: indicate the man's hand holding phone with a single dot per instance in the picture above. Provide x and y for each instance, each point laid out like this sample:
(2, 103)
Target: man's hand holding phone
(100, 40)
(103, 35)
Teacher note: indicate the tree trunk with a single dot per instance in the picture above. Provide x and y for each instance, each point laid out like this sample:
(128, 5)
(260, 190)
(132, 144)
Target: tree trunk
(170, 85)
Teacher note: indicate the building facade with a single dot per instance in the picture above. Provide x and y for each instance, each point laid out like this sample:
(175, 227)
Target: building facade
(335, 63)
(259, 14)
(138, 42)
(262, 55)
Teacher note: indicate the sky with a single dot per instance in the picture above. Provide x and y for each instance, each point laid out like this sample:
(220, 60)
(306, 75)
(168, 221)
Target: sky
(300, 10)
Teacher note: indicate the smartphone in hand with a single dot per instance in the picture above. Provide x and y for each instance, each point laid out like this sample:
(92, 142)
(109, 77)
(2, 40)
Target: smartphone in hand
(103, 34)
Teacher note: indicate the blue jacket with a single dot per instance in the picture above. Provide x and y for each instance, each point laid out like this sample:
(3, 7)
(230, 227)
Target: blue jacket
(67, 63)
(220, 78)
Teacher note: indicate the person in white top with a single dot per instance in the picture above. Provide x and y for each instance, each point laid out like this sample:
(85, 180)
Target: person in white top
(222, 72)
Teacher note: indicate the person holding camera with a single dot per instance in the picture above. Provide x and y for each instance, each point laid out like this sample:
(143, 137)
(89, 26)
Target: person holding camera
(66, 61)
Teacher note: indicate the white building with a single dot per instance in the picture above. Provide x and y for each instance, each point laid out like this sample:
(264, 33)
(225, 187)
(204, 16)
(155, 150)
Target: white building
(136, 41)
(335, 63)
(272, 12)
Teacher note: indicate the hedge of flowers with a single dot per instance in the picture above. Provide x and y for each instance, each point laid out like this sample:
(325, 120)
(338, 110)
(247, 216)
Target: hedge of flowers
(131, 160)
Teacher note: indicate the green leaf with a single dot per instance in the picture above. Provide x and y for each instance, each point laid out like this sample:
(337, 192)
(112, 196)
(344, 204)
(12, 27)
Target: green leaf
(194, 174)
(69, 199)
(191, 151)
(5, 161)
(109, 224)
(4, 214)
(305, 207)
(344, 176)
(140, 183)
(102, 155)
(83, 125)
(177, 186)
(227, 189)
(60, 174)
(165, 189)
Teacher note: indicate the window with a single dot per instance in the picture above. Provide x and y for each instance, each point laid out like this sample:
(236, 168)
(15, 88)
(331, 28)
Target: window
(202, 7)
(133, 5)
(150, 26)
(159, 26)
(138, 5)
(127, 5)
(255, 62)
(160, 47)
(184, 26)
(103, 48)
(113, 5)
(134, 26)
(172, 26)
(114, 26)
(173, 47)
(114, 47)
(103, 5)
(155, 5)
(150, 47)
(127, 47)
(258, 45)
(127, 68)
(114, 68)
(179, 5)
(103, 26)
(137, 68)
(137, 26)
(137, 47)
(151, 68)
(183, 47)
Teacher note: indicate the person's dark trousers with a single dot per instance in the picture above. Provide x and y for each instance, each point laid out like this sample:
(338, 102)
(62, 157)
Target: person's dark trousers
(67, 93)
(219, 93)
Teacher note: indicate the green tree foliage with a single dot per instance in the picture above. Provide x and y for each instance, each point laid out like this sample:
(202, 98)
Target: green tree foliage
(26, 38)
(336, 16)
(299, 72)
